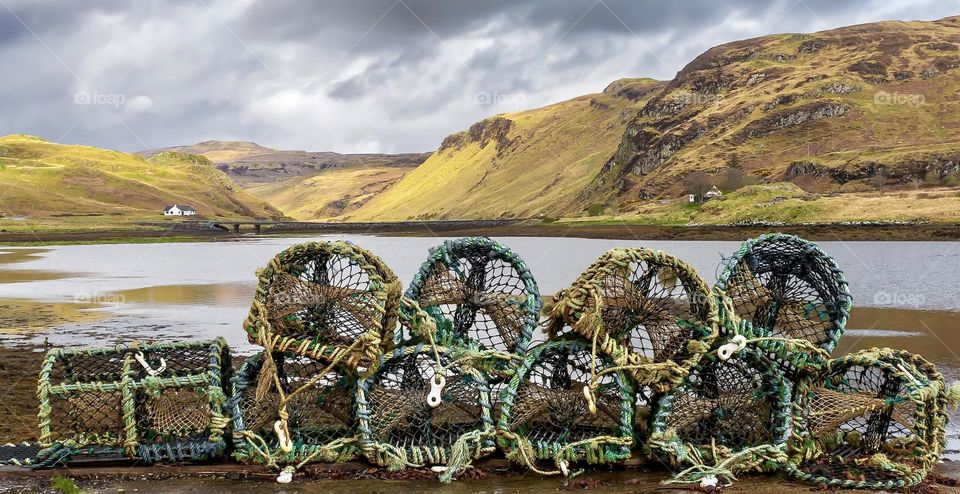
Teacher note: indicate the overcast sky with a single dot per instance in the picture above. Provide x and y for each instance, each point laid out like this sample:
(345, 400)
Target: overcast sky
(354, 75)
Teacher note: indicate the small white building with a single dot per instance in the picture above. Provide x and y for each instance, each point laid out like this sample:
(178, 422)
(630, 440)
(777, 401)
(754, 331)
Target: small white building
(713, 193)
(176, 210)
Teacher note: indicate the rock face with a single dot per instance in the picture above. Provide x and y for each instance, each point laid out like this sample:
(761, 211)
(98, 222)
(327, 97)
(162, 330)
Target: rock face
(483, 132)
(826, 108)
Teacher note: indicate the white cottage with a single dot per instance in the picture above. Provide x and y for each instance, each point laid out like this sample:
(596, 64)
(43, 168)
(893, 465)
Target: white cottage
(176, 210)
(713, 193)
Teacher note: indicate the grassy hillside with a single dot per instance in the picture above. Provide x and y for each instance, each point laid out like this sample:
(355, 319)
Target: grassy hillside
(861, 109)
(787, 203)
(330, 192)
(516, 164)
(41, 180)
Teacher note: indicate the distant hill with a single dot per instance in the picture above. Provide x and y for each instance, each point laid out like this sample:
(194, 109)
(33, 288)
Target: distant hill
(41, 179)
(306, 185)
(250, 163)
(851, 116)
(516, 164)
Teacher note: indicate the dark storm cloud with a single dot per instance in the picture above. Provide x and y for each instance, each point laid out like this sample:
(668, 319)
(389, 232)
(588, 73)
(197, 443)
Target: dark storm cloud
(364, 75)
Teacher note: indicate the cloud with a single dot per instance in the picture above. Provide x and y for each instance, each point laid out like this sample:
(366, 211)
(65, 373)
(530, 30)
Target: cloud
(371, 76)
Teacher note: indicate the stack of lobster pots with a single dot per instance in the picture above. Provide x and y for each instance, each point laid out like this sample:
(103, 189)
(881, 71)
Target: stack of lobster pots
(638, 358)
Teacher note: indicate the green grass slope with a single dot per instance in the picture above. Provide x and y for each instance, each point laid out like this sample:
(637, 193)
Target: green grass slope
(862, 108)
(521, 164)
(43, 180)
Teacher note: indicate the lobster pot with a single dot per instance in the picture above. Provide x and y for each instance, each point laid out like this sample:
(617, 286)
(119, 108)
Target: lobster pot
(480, 293)
(875, 419)
(156, 403)
(320, 415)
(408, 418)
(787, 287)
(647, 309)
(325, 300)
(735, 411)
(546, 415)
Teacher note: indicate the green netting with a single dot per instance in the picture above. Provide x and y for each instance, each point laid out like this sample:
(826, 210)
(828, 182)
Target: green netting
(481, 295)
(325, 300)
(317, 403)
(547, 415)
(873, 419)
(787, 288)
(649, 311)
(728, 416)
(409, 417)
(156, 403)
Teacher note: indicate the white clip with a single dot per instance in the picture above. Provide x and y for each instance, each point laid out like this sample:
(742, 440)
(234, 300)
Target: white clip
(150, 370)
(563, 468)
(591, 403)
(437, 382)
(285, 477)
(438, 469)
(708, 481)
(736, 344)
(286, 445)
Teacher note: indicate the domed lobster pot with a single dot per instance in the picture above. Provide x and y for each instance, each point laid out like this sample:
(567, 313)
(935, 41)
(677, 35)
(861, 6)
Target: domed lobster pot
(733, 414)
(787, 287)
(547, 416)
(423, 406)
(325, 300)
(317, 401)
(874, 419)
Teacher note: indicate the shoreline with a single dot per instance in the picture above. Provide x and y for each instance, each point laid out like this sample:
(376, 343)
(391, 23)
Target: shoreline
(821, 232)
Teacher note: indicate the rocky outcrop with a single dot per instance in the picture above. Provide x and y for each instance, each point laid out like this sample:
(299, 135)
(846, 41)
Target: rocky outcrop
(791, 118)
(483, 132)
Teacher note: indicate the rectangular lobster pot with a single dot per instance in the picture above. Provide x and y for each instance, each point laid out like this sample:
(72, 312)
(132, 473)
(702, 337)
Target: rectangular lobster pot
(154, 403)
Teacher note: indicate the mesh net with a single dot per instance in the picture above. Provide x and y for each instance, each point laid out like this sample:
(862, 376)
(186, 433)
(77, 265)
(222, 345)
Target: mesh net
(398, 425)
(873, 420)
(327, 294)
(159, 402)
(787, 287)
(320, 415)
(652, 306)
(546, 411)
(480, 293)
(724, 407)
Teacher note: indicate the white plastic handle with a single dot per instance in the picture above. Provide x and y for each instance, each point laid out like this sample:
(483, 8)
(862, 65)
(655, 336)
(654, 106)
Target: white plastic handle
(150, 370)
(438, 469)
(736, 344)
(285, 477)
(563, 468)
(437, 382)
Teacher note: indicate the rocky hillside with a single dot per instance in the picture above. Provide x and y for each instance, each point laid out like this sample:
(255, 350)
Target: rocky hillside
(529, 163)
(41, 179)
(855, 109)
(862, 109)
(250, 163)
